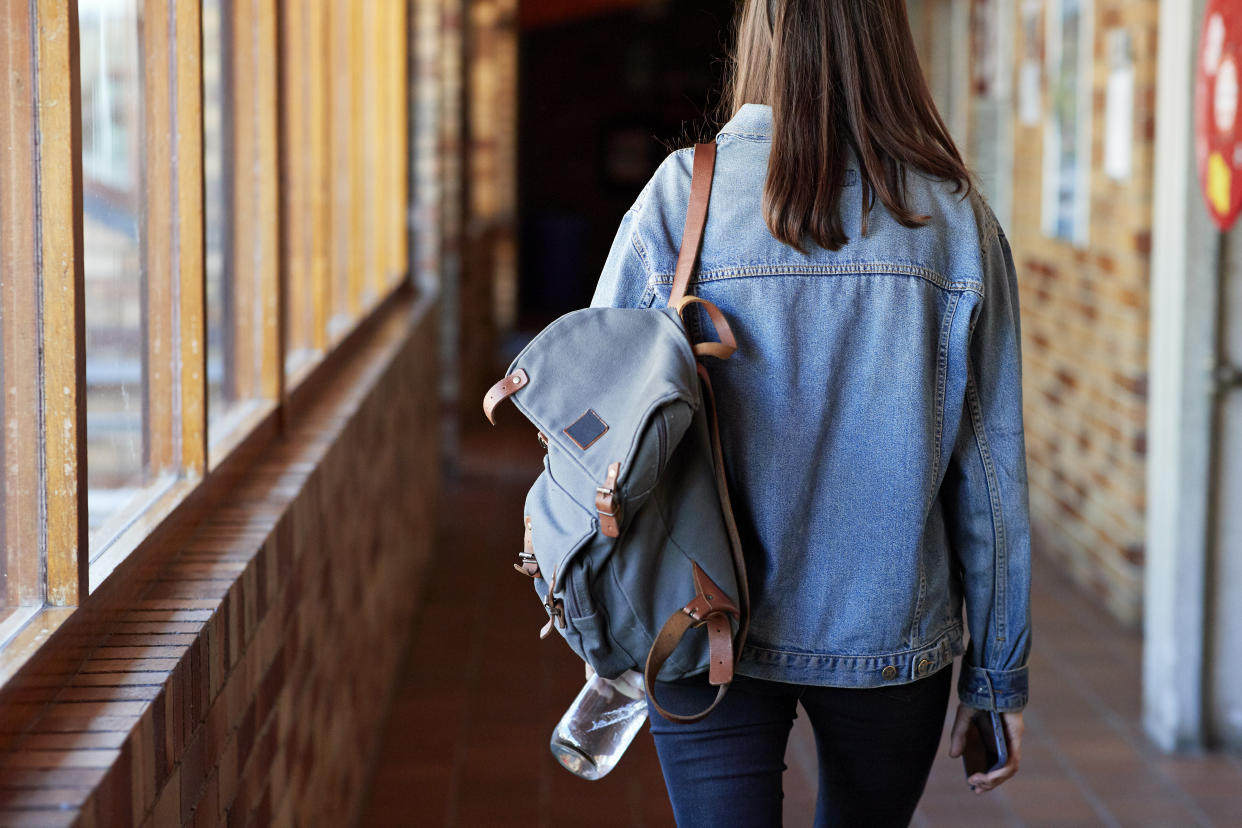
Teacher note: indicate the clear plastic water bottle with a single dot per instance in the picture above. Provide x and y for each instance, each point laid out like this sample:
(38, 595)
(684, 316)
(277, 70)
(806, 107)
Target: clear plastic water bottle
(600, 724)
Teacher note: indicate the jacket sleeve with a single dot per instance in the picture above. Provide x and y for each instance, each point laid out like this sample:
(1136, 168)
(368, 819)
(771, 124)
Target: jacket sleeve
(624, 280)
(986, 496)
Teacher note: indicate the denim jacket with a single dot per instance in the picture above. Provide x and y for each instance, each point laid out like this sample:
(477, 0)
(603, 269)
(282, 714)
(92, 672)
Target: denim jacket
(871, 422)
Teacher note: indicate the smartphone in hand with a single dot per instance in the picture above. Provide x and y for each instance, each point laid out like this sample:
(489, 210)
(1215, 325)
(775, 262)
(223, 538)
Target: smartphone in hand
(986, 748)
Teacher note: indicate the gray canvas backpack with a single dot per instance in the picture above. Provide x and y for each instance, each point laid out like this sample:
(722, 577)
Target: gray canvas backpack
(629, 535)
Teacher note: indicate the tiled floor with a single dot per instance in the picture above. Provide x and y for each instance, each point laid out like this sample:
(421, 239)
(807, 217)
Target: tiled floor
(467, 743)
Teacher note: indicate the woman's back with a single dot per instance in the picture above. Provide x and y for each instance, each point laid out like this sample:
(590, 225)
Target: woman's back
(844, 411)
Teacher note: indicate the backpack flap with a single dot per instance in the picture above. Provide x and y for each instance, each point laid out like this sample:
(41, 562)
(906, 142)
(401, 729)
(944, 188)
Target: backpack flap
(609, 416)
(599, 379)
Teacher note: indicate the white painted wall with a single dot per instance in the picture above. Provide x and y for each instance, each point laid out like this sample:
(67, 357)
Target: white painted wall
(1224, 606)
(1185, 250)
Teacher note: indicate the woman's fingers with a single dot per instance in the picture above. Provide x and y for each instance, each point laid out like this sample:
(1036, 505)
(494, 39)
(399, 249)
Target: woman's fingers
(1014, 726)
(957, 739)
(983, 782)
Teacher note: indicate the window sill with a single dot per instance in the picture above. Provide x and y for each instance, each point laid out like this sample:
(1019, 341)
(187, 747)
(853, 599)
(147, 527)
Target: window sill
(235, 427)
(188, 661)
(139, 503)
(32, 627)
(144, 524)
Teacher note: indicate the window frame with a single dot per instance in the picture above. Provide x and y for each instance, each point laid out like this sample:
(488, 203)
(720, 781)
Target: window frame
(51, 472)
(63, 309)
(174, 391)
(176, 349)
(19, 358)
(1082, 139)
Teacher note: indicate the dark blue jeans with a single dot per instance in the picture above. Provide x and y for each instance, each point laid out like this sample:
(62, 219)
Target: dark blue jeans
(875, 745)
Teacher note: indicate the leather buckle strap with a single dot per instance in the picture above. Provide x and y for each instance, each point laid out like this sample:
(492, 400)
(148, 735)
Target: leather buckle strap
(501, 391)
(606, 504)
(527, 564)
(555, 607)
(710, 607)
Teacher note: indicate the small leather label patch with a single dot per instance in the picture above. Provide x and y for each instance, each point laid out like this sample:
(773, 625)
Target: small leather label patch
(586, 430)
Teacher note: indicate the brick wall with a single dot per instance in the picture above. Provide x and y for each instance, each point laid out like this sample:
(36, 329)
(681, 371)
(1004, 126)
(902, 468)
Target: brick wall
(1085, 337)
(245, 682)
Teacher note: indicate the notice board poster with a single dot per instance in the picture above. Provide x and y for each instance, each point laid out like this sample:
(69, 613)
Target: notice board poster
(1218, 142)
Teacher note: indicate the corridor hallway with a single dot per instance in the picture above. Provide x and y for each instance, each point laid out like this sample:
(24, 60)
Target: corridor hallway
(259, 260)
(466, 743)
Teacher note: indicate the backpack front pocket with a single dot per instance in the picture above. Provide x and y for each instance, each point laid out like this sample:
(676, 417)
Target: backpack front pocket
(658, 440)
(557, 527)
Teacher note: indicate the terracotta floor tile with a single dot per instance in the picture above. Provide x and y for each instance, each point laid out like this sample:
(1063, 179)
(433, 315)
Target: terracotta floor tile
(480, 694)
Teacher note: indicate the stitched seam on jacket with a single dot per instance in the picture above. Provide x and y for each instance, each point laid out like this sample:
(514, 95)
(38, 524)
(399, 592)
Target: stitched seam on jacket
(824, 270)
(930, 496)
(942, 362)
(1000, 553)
(918, 604)
(641, 250)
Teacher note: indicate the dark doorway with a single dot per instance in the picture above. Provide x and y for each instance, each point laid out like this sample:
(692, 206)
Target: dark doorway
(603, 98)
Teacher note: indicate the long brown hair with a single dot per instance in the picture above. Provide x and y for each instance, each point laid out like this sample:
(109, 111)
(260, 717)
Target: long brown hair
(838, 74)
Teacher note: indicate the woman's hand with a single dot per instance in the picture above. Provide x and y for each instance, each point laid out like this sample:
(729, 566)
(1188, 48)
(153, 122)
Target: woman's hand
(1013, 726)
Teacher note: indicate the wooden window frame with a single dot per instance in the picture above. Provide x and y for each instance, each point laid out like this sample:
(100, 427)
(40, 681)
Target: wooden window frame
(19, 448)
(45, 476)
(256, 252)
(175, 396)
(63, 311)
(43, 36)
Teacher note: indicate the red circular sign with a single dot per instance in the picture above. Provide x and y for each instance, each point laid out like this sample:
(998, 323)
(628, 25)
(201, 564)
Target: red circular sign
(1218, 136)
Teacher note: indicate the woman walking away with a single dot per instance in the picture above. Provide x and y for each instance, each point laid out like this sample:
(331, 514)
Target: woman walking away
(871, 422)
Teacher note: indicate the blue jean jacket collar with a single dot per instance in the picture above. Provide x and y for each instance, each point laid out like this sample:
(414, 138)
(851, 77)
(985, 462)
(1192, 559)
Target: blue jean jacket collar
(750, 121)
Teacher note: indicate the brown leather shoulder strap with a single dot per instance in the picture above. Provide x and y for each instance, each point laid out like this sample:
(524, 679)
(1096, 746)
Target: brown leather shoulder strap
(723, 652)
(696, 217)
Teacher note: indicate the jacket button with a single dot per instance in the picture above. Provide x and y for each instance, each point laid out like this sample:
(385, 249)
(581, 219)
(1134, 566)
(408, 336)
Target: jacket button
(889, 672)
(923, 665)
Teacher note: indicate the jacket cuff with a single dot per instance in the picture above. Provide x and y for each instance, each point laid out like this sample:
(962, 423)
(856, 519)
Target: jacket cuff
(1005, 691)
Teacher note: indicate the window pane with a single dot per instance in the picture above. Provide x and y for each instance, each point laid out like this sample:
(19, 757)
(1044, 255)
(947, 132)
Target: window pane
(221, 376)
(20, 448)
(1067, 133)
(240, 256)
(342, 118)
(114, 212)
(302, 136)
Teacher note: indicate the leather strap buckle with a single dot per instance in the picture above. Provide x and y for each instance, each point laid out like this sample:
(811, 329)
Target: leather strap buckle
(527, 563)
(557, 616)
(606, 495)
(710, 607)
(606, 504)
(556, 609)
